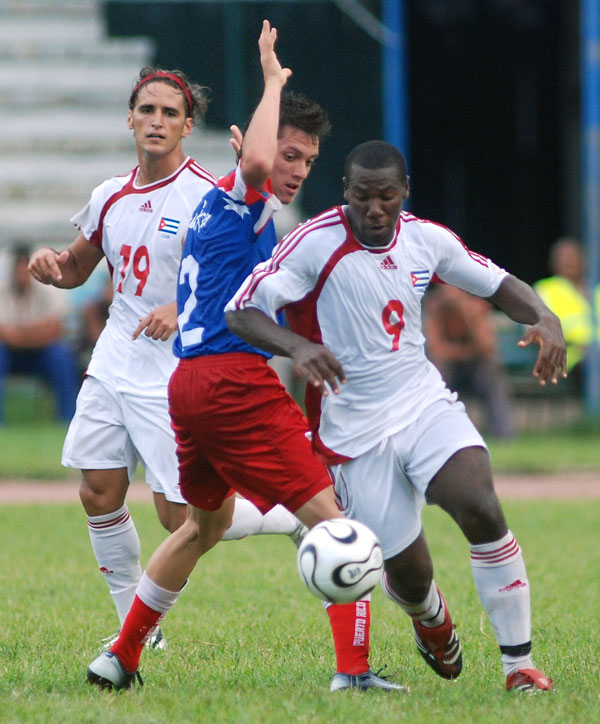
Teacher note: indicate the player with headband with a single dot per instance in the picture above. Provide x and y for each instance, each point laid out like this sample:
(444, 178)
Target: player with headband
(137, 221)
(236, 427)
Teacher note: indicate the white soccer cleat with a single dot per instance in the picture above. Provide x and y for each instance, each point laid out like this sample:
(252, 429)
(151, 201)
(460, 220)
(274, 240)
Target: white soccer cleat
(362, 682)
(106, 672)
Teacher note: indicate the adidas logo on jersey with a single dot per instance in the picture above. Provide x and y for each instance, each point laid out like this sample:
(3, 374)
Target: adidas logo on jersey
(146, 206)
(388, 263)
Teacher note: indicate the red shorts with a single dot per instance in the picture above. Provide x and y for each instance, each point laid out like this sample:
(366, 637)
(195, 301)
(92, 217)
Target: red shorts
(237, 429)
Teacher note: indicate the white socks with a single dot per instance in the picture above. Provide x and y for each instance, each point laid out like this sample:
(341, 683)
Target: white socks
(117, 549)
(501, 582)
(155, 597)
(248, 520)
(116, 544)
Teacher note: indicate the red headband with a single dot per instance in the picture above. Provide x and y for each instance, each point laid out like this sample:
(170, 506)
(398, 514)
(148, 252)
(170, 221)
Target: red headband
(160, 75)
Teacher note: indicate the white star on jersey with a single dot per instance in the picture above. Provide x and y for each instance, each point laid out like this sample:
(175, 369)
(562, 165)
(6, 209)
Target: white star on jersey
(240, 209)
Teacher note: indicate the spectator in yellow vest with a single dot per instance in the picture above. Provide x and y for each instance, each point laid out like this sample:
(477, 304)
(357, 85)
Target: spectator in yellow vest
(568, 297)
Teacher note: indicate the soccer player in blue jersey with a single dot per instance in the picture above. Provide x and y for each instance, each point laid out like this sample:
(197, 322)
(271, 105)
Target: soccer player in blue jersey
(236, 427)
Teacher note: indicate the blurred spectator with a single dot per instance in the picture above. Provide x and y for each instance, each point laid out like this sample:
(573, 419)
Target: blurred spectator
(91, 313)
(460, 341)
(567, 296)
(32, 335)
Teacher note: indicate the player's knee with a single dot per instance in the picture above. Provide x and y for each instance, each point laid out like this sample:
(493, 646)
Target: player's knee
(98, 500)
(202, 536)
(172, 519)
(481, 518)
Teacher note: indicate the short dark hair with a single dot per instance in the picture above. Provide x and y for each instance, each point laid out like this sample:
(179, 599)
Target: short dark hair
(298, 111)
(198, 93)
(376, 154)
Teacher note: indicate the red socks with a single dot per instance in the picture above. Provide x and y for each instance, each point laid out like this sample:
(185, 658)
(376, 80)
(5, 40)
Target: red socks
(140, 620)
(350, 626)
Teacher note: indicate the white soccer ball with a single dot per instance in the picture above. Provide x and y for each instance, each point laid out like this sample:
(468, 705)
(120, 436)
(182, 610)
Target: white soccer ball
(340, 560)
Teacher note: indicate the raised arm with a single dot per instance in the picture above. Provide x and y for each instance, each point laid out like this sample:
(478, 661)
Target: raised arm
(314, 362)
(68, 268)
(260, 140)
(521, 303)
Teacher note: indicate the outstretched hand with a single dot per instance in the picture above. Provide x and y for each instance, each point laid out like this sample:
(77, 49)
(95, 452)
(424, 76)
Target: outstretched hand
(271, 67)
(45, 265)
(551, 361)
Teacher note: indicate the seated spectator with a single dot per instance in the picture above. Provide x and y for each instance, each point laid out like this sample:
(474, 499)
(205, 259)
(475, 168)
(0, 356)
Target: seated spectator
(460, 341)
(92, 313)
(566, 294)
(31, 336)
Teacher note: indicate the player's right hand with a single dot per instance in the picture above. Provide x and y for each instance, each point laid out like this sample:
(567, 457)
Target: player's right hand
(271, 67)
(320, 367)
(45, 265)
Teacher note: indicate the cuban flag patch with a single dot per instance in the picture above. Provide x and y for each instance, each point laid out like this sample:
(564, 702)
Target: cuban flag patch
(420, 278)
(168, 226)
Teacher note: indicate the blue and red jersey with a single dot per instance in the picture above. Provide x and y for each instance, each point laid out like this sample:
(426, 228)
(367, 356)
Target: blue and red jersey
(230, 232)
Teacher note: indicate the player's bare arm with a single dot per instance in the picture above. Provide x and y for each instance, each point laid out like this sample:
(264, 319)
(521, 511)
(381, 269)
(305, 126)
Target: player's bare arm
(159, 324)
(260, 141)
(314, 362)
(521, 303)
(68, 268)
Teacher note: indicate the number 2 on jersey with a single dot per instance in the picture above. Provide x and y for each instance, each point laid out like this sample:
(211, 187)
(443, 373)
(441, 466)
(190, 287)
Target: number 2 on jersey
(393, 321)
(140, 270)
(189, 268)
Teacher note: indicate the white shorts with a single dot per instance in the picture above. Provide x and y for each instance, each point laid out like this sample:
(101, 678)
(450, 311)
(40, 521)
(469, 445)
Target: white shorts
(384, 488)
(115, 430)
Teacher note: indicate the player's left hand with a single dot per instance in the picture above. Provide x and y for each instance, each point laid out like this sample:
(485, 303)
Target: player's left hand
(551, 361)
(159, 324)
(236, 139)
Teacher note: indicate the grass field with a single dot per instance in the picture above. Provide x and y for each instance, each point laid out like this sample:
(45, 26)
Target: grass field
(31, 443)
(33, 449)
(249, 644)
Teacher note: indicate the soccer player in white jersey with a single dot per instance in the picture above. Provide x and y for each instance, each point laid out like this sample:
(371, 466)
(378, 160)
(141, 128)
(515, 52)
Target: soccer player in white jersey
(352, 282)
(237, 429)
(137, 221)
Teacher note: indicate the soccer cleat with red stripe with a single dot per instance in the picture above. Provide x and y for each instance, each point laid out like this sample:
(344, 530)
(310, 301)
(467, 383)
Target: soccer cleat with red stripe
(439, 646)
(528, 680)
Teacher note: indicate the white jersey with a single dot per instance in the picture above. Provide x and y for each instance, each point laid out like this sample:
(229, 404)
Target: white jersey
(140, 229)
(364, 304)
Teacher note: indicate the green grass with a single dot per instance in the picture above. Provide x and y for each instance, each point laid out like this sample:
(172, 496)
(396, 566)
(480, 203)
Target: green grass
(31, 443)
(249, 644)
(33, 450)
(575, 447)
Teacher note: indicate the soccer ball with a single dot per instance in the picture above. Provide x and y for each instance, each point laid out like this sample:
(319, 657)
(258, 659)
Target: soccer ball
(340, 560)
